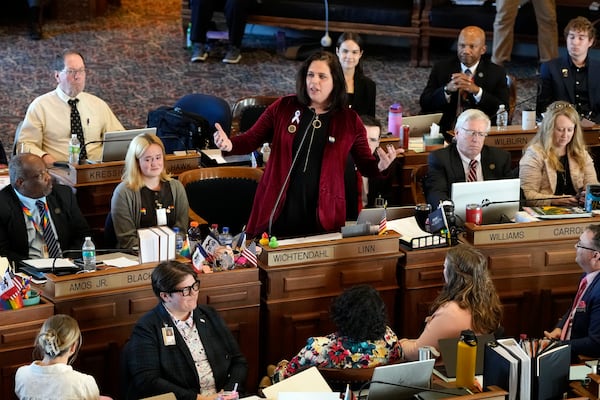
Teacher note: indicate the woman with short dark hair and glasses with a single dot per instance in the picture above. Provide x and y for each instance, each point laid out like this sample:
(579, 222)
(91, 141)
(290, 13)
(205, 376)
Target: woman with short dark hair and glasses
(556, 166)
(181, 346)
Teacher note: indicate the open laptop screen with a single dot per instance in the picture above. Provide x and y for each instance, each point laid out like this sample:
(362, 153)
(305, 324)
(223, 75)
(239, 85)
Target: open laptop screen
(116, 143)
(402, 381)
(420, 124)
(503, 194)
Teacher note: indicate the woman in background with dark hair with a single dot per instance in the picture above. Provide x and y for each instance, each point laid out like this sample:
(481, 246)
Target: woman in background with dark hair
(362, 339)
(361, 89)
(311, 134)
(53, 377)
(468, 300)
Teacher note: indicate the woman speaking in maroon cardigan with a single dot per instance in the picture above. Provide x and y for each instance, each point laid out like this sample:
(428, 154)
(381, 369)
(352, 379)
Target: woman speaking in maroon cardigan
(311, 135)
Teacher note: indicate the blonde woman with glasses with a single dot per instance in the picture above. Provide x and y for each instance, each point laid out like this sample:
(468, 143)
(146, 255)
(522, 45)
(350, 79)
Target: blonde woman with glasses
(556, 166)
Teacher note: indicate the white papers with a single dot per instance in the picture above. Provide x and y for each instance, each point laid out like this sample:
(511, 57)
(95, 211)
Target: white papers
(120, 262)
(309, 395)
(579, 372)
(311, 239)
(149, 246)
(416, 144)
(217, 156)
(4, 181)
(309, 380)
(3, 265)
(47, 263)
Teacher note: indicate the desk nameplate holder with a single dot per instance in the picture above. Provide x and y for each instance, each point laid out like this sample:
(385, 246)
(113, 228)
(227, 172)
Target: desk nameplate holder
(90, 174)
(527, 232)
(316, 252)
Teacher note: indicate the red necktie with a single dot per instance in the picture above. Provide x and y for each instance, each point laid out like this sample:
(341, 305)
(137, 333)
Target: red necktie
(566, 329)
(472, 177)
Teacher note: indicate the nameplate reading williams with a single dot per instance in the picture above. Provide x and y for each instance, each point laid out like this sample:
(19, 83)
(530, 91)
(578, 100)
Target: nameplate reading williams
(530, 233)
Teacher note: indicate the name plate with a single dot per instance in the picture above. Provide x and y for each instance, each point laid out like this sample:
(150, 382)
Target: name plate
(519, 233)
(98, 281)
(508, 141)
(365, 246)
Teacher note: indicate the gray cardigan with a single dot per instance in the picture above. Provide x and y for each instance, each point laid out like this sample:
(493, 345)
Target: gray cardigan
(125, 211)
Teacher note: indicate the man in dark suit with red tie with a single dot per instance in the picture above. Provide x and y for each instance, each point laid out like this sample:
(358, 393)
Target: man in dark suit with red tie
(29, 198)
(466, 159)
(580, 326)
(469, 78)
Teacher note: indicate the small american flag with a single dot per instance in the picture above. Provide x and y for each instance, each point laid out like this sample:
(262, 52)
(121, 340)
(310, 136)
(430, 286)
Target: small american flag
(11, 286)
(249, 253)
(383, 223)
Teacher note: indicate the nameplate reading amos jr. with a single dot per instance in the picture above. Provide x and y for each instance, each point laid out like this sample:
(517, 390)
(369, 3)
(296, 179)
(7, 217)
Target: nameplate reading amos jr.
(98, 282)
(341, 249)
(528, 233)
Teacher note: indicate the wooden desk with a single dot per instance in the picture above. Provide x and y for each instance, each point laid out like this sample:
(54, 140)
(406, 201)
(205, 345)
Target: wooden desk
(107, 305)
(299, 282)
(94, 185)
(535, 277)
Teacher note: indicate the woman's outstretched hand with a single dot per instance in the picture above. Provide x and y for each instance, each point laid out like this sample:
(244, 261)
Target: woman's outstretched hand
(221, 139)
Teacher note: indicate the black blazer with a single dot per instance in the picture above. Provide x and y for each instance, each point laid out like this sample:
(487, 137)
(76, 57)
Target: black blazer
(558, 83)
(364, 95)
(70, 224)
(489, 76)
(446, 168)
(153, 368)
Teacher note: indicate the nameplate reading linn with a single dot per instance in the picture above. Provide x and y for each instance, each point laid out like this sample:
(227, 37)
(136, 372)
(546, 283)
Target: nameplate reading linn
(362, 249)
(529, 233)
(90, 283)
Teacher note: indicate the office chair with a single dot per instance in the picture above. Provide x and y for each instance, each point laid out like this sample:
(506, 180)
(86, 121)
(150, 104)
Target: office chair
(247, 110)
(212, 108)
(338, 378)
(221, 195)
(417, 178)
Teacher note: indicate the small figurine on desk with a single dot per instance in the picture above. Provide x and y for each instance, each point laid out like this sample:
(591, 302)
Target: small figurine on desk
(264, 240)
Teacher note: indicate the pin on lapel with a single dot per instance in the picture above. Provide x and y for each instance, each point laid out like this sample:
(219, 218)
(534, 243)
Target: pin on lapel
(565, 72)
(492, 166)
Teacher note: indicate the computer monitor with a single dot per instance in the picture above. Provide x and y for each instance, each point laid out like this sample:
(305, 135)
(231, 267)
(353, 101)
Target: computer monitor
(502, 196)
(116, 143)
(400, 381)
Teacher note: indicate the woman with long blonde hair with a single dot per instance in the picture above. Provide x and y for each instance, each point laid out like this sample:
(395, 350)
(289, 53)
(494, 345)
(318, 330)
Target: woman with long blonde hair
(556, 166)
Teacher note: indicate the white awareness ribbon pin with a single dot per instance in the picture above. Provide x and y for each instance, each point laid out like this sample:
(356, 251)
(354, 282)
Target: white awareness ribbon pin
(296, 119)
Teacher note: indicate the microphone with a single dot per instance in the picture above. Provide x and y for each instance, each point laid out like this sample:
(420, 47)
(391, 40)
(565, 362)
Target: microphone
(326, 39)
(289, 174)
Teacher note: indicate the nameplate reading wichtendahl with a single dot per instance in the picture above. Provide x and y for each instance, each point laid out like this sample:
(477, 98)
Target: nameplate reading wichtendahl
(328, 252)
(92, 282)
(529, 233)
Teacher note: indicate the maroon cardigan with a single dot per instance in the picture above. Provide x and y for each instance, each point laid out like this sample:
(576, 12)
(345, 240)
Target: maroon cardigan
(350, 138)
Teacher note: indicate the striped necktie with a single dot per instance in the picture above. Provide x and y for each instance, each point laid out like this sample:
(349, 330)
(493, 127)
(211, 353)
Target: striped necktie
(49, 237)
(76, 127)
(472, 176)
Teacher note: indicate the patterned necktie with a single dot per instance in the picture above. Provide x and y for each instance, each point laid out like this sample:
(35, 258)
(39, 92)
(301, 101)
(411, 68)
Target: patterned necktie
(51, 241)
(566, 329)
(472, 177)
(76, 127)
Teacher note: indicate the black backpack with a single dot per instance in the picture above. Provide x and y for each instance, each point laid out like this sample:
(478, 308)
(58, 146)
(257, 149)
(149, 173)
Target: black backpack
(180, 130)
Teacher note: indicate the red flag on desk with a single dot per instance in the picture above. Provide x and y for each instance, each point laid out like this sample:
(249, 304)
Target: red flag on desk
(383, 222)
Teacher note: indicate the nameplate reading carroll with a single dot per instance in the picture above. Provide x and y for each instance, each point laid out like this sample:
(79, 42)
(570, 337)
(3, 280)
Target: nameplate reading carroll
(93, 282)
(529, 233)
(328, 252)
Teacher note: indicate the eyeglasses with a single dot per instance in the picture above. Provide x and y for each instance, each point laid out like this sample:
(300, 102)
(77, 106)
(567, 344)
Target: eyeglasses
(578, 245)
(73, 72)
(187, 291)
(472, 133)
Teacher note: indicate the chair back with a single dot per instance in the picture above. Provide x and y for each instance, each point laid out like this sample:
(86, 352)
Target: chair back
(246, 112)
(417, 181)
(213, 108)
(221, 195)
(338, 378)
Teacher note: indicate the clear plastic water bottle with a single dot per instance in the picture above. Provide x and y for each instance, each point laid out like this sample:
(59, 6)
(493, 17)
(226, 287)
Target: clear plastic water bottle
(266, 152)
(74, 149)
(502, 117)
(395, 119)
(466, 357)
(178, 240)
(88, 254)
(225, 237)
(194, 236)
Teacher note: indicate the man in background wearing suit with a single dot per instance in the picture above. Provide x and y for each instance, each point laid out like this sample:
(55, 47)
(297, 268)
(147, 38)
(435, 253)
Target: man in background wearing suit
(468, 81)
(580, 326)
(571, 77)
(466, 159)
(21, 222)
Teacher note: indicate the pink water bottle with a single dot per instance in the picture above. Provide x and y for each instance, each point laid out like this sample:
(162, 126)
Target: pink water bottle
(395, 119)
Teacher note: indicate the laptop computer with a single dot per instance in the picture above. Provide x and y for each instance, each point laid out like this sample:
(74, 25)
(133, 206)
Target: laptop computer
(400, 381)
(373, 215)
(503, 194)
(116, 143)
(448, 350)
(421, 124)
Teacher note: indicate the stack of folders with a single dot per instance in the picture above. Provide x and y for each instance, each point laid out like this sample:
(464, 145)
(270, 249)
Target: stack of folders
(536, 369)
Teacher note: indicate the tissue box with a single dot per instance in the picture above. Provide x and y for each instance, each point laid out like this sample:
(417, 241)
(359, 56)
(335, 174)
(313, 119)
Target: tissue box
(433, 142)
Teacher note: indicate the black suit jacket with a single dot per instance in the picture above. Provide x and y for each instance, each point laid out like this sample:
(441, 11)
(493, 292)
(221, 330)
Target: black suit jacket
(70, 224)
(154, 368)
(489, 76)
(364, 95)
(446, 168)
(558, 83)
